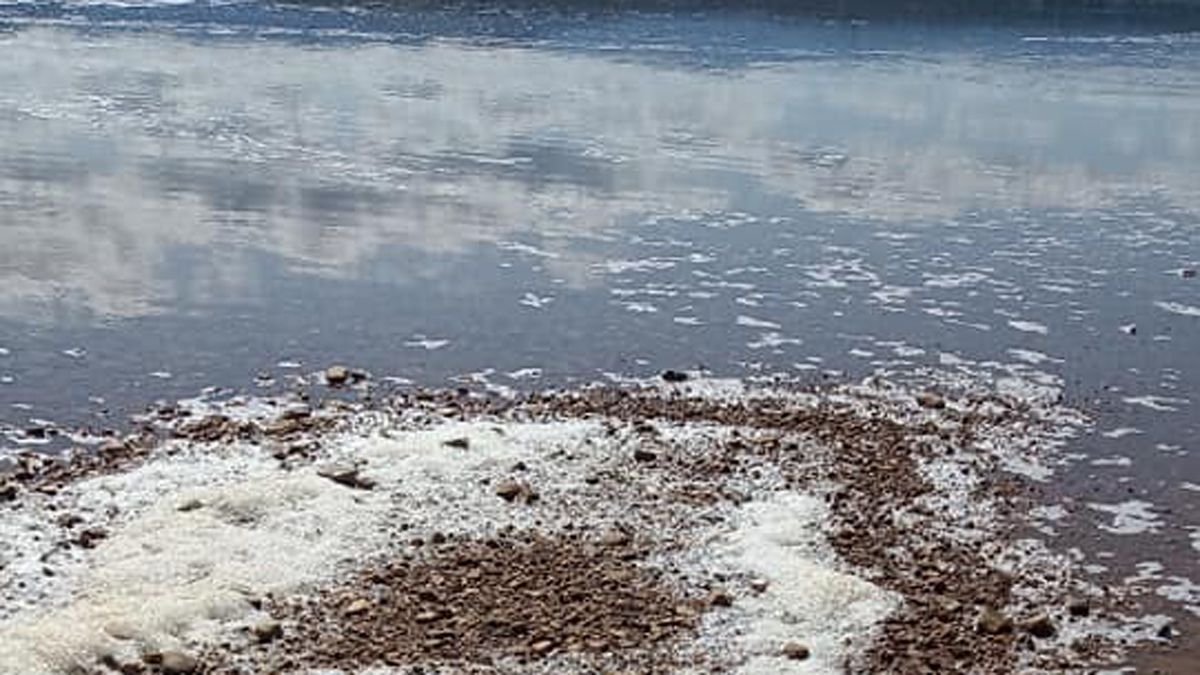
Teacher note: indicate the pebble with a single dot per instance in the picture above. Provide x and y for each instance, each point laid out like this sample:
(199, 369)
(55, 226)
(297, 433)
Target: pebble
(720, 598)
(615, 537)
(674, 376)
(190, 505)
(993, 622)
(928, 399)
(795, 651)
(644, 455)
(1189, 273)
(267, 630)
(759, 585)
(1041, 627)
(359, 606)
(336, 376)
(346, 474)
(178, 663)
(112, 446)
(508, 490)
(1079, 607)
(542, 646)
(460, 443)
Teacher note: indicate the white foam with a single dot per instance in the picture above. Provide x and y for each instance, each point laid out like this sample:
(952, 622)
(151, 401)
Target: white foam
(1157, 403)
(1178, 308)
(808, 598)
(1029, 327)
(167, 577)
(1129, 517)
(751, 322)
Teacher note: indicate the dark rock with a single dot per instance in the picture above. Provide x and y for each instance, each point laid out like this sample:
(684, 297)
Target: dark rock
(1041, 627)
(190, 505)
(1166, 632)
(1189, 273)
(674, 376)
(644, 455)
(795, 651)
(460, 443)
(1079, 607)
(8, 491)
(993, 622)
(759, 585)
(89, 537)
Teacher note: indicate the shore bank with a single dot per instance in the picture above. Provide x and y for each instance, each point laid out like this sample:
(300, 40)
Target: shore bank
(684, 525)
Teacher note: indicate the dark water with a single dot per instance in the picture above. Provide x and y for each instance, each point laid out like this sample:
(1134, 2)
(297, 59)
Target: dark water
(193, 194)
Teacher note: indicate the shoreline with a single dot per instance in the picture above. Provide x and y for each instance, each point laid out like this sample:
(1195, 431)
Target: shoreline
(888, 493)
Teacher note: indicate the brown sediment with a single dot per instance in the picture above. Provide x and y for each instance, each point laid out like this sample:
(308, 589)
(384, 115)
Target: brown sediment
(475, 603)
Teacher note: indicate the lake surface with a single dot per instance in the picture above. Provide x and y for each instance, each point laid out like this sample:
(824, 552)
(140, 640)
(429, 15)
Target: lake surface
(231, 194)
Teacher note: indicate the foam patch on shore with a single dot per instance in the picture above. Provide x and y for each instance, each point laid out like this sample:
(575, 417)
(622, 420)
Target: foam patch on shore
(809, 597)
(201, 531)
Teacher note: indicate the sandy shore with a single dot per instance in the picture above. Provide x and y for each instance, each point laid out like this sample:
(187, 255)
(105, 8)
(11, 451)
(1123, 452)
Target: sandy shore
(684, 526)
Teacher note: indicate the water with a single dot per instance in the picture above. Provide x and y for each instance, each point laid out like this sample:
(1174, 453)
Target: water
(196, 194)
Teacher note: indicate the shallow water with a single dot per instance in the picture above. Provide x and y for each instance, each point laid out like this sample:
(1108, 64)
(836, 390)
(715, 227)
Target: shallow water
(193, 194)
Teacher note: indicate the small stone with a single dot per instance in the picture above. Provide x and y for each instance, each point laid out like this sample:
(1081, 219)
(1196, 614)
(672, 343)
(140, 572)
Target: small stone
(89, 537)
(674, 376)
(357, 607)
(1189, 273)
(1041, 627)
(795, 651)
(993, 622)
(615, 537)
(460, 443)
(345, 474)
(759, 585)
(542, 646)
(267, 630)
(120, 630)
(928, 399)
(112, 446)
(8, 491)
(644, 455)
(178, 663)
(1079, 607)
(1129, 329)
(509, 490)
(336, 376)
(190, 505)
(1166, 632)
(720, 598)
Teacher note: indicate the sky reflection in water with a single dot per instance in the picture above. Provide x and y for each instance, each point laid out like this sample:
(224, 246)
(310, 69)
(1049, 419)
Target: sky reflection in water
(191, 195)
